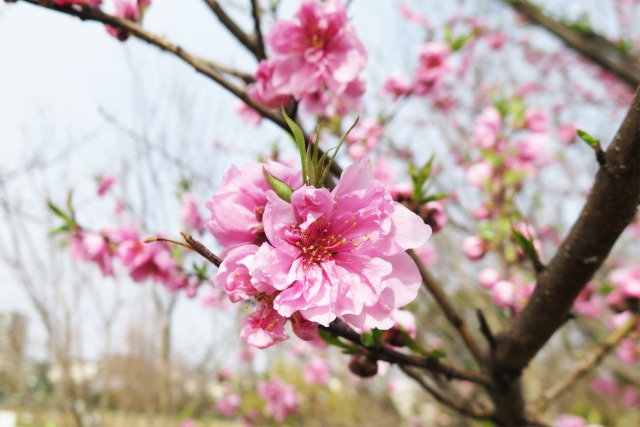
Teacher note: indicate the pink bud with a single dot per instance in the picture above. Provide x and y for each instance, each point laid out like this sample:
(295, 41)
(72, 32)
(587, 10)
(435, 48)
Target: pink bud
(474, 248)
(503, 294)
(488, 277)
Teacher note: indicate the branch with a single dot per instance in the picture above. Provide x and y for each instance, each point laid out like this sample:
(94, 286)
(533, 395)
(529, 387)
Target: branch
(461, 409)
(593, 46)
(447, 308)
(586, 364)
(191, 244)
(255, 11)
(230, 24)
(610, 207)
(384, 352)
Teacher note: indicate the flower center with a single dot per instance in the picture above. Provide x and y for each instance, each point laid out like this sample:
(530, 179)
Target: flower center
(318, 243)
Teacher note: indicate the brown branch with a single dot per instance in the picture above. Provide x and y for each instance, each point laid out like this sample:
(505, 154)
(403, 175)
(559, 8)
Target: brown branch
(230, 24)
(384, 352)
(586, 364)
(610, 207)
(596, 48)
(255, 11)
(447, 308)
(461, 409)
(191, 244)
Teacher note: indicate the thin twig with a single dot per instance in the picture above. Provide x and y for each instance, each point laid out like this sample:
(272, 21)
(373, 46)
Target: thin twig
(485, 329)
(255, 11)
(191, 244)
(230, 24)
(586, 364)
(447, 308)
(384, 352)
(461, 409)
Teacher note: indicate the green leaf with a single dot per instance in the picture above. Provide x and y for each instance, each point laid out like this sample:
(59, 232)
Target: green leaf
(437, 353)
(331, 339)
(410, 342)
(588, 138)
(280, 187)
(433, 197)
(56, 210)
(461, 41)
(368, 339)
(527, 246)
(324, 174)
(62, 229)
(298, 136)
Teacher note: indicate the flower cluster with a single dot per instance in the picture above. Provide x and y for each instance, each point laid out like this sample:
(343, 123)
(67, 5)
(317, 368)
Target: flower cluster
(323, 255)
(316, 57)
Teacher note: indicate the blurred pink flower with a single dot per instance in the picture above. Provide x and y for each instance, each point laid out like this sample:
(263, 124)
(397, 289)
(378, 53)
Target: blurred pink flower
(604, 385)
(132, 10)
(92, 3)
(247, 113)
(628, 351)
(281, 398)
(383, 172)
(317, 371)
(474, 247)
(479, 173)
(627, 281)
(434, 215)
(536, 120)
(487, 128)
(630, 397)
(488, 277)
(496, 40)
(262, 90)
(317, 47)
(228, 405)
(89, 246)
(503, 294)
(105, 183)
(432, 66)
(566, 133)
(189, 212)
(368, 132)
(397, 85)
(427, 254)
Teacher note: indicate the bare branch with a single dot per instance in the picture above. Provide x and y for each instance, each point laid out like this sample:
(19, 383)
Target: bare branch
(586, 364)
(447, 308)
(255, 11)
(230, 24)
(593, 46)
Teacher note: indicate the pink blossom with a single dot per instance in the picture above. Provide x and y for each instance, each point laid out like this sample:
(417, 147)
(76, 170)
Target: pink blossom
(482, 212)
(89, 246)
(474, 248)
(189, 212)
(522, 295)
(228, 405)
(533, 150)
(143, 260)
(496, 40)
(432, 66)
(433, 214)
(317, 371)
(627, 281)
(105, 183)
(479, 173)
(383, 172)
(341, 253)
(488, 277)
(238, 205)
(593, 307)
(407, 13)
(604, 385)
(247, 113)
(132, 10)
(281, 398)
(503, 294)
(427, 255)
(567, 420)
(317, 47)
(92, 3)
(487, 128)
(188, 423)
(630, 397)
(628, 351)
(566, 133)
(535, 120)
(397, 85)
(213, 298)
(367, 131)
(262, 91)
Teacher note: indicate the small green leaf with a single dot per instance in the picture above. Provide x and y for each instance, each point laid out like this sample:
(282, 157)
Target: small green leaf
(56, 210)
(280, 187)
(433, 197)
(368, 339)
(298, 136)
(410, 342)
(62, 229)
(331, 339)
(588, 138)
(527, 246)
(437, 353)
(324, 174)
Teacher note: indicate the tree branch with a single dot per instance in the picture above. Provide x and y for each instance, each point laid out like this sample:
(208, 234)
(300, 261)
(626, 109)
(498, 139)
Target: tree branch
(586, 364)
(384, 352)
(593, 46)
(459, 408)
(255, 11)
(447, 308)
(230, 24)
(610, 207)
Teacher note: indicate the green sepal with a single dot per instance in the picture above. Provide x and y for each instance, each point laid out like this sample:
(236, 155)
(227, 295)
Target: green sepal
(326, 170)
(371, 338)
(62, 229)
(56, 210)
(437, 353)
(419, 178)
(201, 272)
(410, 342)
(279, 187)
(433, 197)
